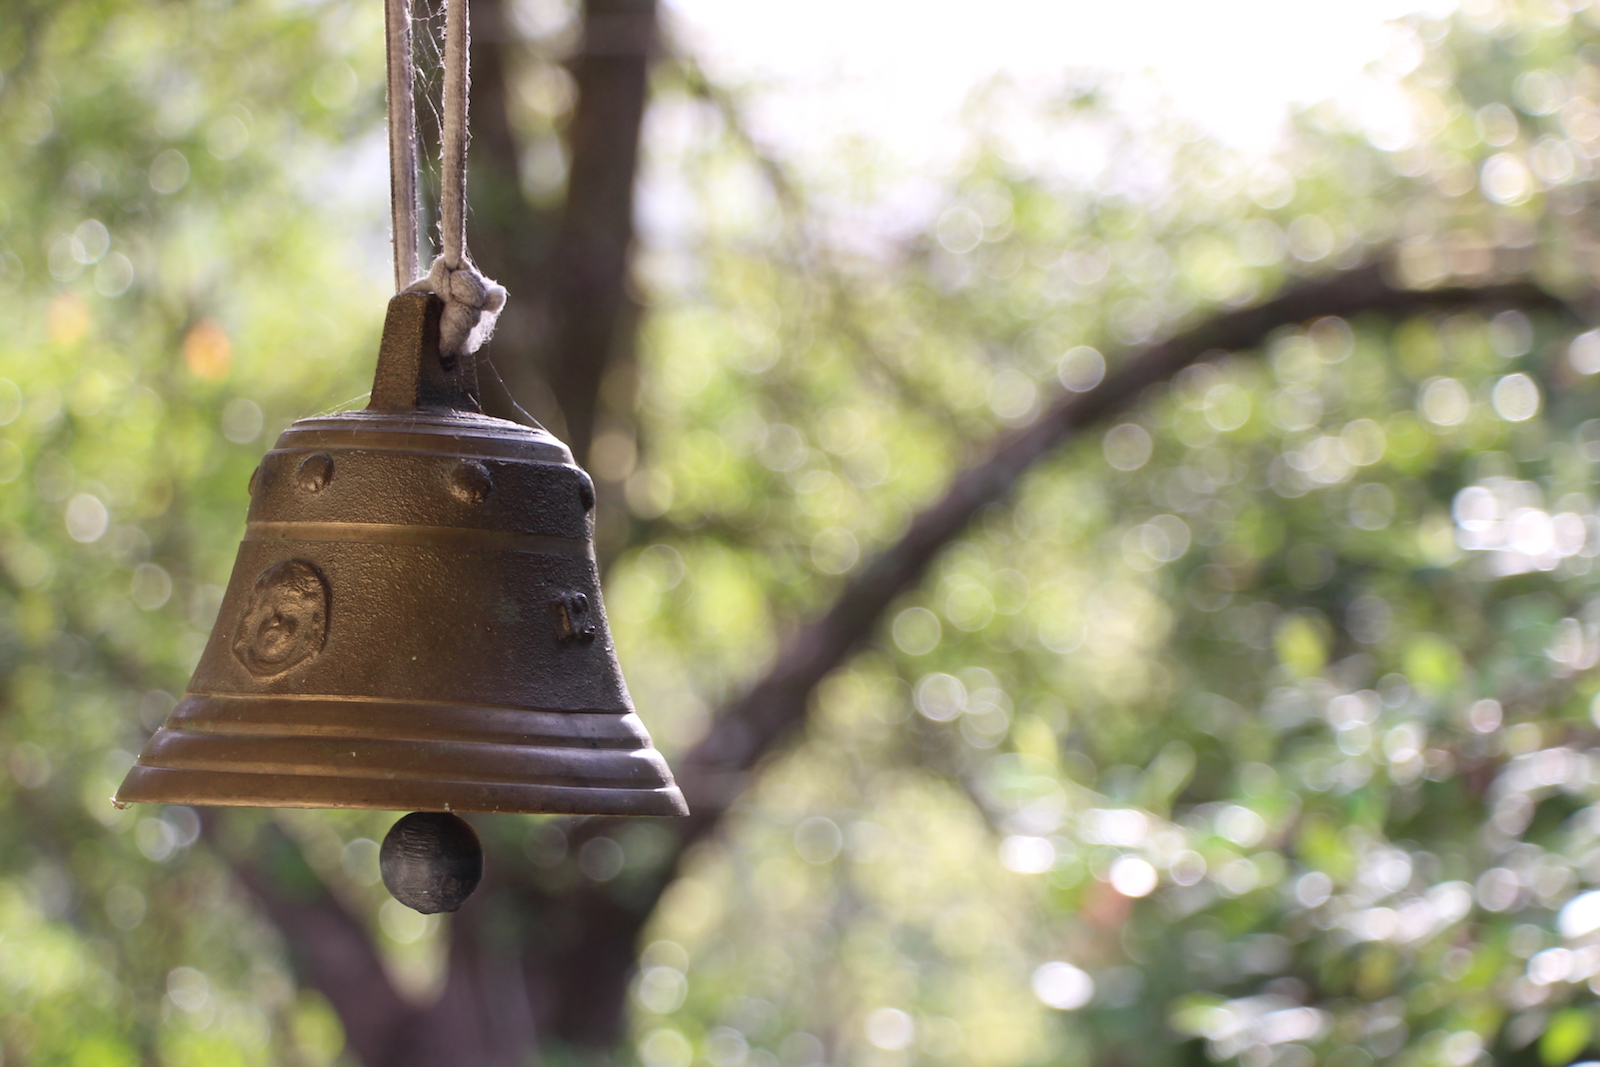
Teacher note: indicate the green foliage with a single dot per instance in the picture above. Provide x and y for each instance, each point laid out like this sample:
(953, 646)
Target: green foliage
(1250, 689)
(1255, 728)
(162, 247)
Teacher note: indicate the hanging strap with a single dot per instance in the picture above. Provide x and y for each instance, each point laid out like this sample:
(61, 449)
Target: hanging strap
(402, 141)
(472, 302)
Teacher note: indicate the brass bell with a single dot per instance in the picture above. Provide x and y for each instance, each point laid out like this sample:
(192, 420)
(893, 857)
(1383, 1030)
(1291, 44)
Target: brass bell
(414, 621)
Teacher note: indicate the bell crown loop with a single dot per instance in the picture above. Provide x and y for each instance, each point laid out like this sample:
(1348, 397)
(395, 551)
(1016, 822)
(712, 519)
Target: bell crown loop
(413, 374)
(414, 620)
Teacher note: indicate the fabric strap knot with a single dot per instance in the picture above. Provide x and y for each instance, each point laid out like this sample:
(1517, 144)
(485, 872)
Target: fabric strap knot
(472, 304)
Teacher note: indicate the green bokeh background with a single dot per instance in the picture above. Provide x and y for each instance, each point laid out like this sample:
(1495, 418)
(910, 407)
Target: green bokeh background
(1256, 729)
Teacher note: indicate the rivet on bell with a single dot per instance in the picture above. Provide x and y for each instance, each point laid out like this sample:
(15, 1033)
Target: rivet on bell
(470, 482)
(315, 473)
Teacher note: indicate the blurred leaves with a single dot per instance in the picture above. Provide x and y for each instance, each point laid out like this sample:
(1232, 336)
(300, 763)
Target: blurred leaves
(1255, 729)
(162, 217)
(1292, 638)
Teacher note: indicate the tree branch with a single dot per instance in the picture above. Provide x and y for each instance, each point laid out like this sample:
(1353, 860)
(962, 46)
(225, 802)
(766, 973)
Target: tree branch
(715, 772)
(572, 986)
(712, 773)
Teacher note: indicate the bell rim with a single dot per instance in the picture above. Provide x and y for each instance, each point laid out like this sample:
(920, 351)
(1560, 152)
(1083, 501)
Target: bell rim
(437, 431)
(324, 751)
(222, 789)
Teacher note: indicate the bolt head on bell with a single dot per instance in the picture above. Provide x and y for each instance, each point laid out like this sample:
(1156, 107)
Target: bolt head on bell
(431, 861)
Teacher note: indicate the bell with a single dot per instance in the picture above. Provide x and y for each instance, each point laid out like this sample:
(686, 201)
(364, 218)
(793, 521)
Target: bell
(413, 622)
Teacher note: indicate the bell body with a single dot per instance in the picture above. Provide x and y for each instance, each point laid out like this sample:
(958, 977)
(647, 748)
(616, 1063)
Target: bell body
(414, 622)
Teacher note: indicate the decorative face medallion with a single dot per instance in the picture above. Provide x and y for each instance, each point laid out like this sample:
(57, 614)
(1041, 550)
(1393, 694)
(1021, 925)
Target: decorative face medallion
(286, 623)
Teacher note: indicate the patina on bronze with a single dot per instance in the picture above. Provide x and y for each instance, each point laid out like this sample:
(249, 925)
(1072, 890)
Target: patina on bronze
(414, 621)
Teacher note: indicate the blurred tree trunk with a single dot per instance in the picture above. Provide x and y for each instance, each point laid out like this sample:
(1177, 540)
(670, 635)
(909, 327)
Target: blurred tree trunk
(570, 318)
(590, 312)
(511, 238)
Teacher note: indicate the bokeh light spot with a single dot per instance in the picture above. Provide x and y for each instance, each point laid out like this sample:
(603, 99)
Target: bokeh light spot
(1515, 398)
(207, 351)
(1444, 402)
(890, 1029)
(1127, 447)
(917, 631)
(1063, 986)
(1133, 877)
(1082, 368)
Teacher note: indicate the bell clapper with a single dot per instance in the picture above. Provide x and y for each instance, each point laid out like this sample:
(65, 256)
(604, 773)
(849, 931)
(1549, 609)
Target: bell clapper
(431, 861)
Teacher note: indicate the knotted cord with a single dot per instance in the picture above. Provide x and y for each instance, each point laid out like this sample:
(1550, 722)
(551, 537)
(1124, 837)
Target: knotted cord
(472, 301)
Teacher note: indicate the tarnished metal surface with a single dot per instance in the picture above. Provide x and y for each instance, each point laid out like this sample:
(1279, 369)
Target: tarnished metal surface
(414, 622)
